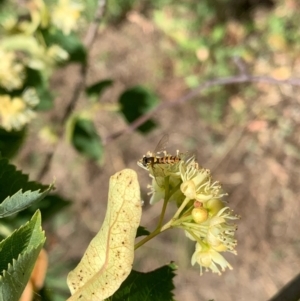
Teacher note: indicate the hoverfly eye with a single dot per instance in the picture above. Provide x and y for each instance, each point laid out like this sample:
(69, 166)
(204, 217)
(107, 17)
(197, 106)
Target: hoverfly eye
(145, 161)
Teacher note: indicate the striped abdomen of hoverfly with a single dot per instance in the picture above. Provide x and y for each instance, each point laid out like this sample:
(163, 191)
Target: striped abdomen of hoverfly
(169, 159)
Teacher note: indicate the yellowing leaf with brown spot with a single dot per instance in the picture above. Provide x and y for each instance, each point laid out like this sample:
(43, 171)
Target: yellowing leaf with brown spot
(108, 259)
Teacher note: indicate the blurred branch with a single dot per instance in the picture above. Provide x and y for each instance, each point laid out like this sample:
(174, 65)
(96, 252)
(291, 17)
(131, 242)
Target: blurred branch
(290, 292)
(243, 77)
(88, 42)
(91, 34)
(79, 85)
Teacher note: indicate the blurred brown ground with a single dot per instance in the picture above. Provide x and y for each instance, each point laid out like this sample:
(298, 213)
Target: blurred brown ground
(256, 160)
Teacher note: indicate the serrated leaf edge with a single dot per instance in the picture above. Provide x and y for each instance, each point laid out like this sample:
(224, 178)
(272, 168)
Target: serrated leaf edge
(7, 199)
(25, 225)
(10, 266)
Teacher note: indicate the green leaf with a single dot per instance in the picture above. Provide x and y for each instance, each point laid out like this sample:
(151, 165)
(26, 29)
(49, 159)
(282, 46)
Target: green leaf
(85, 139)
(71, 43)
(10, 142)
(136, 102)
(20, 201)
(98, 88)
(142, 231)
(18, 254)
(51, 205)
(46, 98)
(49, 294)
(156, 285)
(35, 79)
(12, 185)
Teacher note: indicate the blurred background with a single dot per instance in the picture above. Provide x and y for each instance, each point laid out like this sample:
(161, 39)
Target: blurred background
(149, 54)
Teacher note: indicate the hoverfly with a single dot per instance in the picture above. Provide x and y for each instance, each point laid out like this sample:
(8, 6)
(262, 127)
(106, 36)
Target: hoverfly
(151, 160)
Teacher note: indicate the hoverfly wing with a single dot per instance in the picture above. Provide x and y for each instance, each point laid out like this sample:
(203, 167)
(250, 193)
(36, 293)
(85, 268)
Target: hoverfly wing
(186, 154)
(160, 147)
(162, 144)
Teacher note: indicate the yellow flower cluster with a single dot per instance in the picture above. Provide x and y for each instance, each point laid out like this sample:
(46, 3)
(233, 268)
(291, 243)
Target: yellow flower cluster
(201, 211)
(23, 47)
(66, 15)
(15, 112)
(11, 71)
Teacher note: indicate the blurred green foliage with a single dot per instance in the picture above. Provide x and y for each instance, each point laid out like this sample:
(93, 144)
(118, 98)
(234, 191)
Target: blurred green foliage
(155, 285)
(204, 36)
(10, 142)
(84, 138)
(95, 90)
(18, 254)
(137, 101)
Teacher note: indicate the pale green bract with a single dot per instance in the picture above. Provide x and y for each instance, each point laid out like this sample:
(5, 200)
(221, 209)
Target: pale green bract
(108, 259)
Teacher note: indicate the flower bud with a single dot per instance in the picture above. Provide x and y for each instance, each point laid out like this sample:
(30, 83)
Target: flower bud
(199, 215)
(214, 206)
(198, 204)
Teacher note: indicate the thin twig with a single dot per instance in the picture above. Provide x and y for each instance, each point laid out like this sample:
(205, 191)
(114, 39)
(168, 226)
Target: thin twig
(91, 34)
(238, 79)
(79, 86)
(88, 42)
